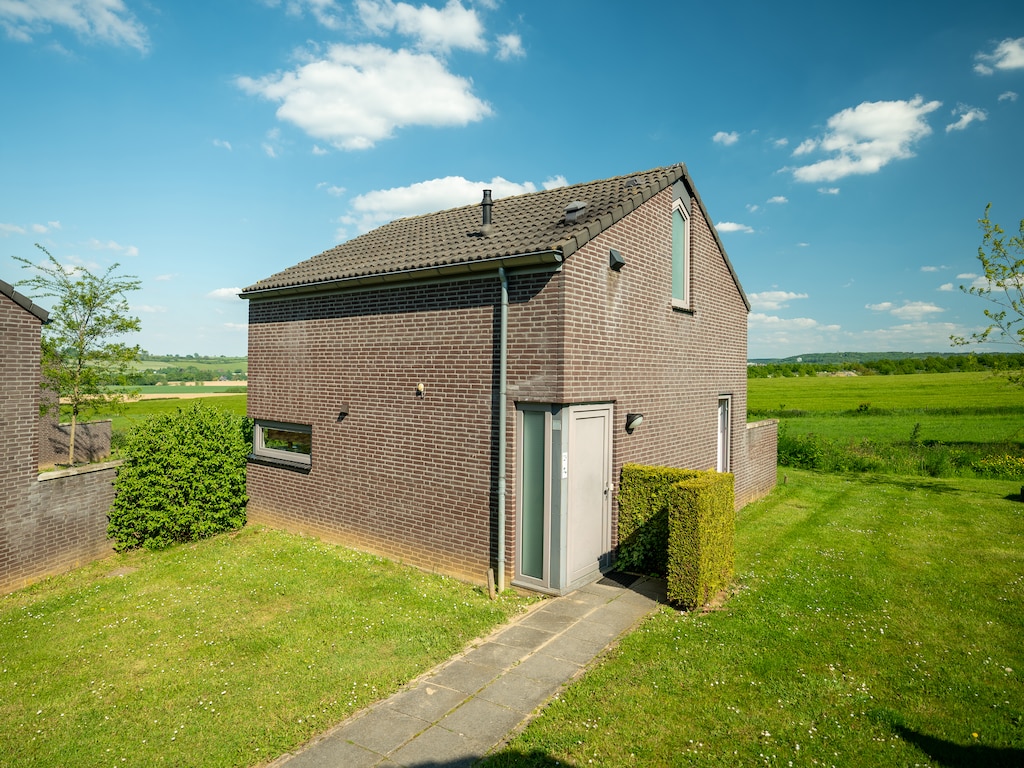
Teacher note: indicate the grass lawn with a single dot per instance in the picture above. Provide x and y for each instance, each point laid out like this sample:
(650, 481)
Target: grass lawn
(140, 410)
(878, 621)
(228, 652)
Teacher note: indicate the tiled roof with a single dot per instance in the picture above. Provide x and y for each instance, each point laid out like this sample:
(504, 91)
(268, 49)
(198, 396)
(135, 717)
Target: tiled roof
(23, 301)
(526, 224)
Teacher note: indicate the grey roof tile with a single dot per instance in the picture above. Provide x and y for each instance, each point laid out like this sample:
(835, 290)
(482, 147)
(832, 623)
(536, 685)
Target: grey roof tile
(23, 301)
(524, 224)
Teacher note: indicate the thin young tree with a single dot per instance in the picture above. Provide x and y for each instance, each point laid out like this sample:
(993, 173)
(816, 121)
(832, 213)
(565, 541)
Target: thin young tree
(1002, 285)
(82, 355)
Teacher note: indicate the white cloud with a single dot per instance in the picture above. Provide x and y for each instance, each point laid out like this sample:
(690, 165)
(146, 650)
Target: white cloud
(946, 287)
(331, 189)
(929, 269)
(966, 276)
(1008, 96)
(828, 190)
(377, 207)
(885, 306)
(163, 278)
(111, 245)
(222, 144)
(967, 115)
(778, 200)
(224, 294)
(909, 310)
(773, 300)
(318, 150)
(762, 320)
(358, 95)
(452, 26)
(237, 326)
(753, 207)
(781, 143)
(864, 139)
(1009, 54)
(102, 21)
(554, 182)
(11, 229)
(726, 139)
(510, 47)
(732, 226)
(39, 229)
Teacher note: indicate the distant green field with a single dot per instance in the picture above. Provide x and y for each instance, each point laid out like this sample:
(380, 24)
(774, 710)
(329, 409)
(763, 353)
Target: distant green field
(942, 424)
(833, 394)
(201, 364)
(141, 410)
(187, 389)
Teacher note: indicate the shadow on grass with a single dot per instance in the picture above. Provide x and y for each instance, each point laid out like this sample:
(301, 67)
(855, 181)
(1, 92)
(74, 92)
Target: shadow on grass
(951, 755)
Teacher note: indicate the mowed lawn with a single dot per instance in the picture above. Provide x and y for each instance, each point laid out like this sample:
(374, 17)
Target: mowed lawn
(877, 621)
(228, 652)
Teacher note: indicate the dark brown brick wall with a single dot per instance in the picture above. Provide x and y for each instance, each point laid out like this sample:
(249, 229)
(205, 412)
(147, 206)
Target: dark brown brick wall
(414, 477)
(51, 522)
(19, 406)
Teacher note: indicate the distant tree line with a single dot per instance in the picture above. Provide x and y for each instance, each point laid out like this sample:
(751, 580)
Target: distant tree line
(184, 374)
(889, 366)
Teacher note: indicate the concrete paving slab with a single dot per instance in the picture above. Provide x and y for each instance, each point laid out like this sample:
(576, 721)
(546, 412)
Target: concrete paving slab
(495, 655)
(549, 621)
(482, 721)
(438, 747)
(579, 650)
(520, 636)
(518, 692)
(334, 753)
(383, 730)
(429, 702)
(547, 669)
(465, 676)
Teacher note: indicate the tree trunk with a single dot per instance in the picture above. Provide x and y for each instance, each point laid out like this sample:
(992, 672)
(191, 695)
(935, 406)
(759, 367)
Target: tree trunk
(71, 439)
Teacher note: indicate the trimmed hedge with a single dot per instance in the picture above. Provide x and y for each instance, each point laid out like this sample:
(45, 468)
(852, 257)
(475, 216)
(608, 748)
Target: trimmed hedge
(644, 494)
(680, 523)
(183, 478)
(701, 539)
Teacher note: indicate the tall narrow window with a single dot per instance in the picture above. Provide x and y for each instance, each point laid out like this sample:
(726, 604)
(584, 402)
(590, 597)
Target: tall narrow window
(680, 256)
(724, 433)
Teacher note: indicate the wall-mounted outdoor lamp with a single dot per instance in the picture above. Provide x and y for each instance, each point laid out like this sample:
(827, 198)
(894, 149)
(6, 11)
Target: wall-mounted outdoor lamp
(420, 389)
(633, 420)
(342, 411)
(615, 260)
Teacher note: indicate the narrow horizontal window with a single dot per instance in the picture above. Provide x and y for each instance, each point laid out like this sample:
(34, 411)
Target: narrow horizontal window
(287, 443)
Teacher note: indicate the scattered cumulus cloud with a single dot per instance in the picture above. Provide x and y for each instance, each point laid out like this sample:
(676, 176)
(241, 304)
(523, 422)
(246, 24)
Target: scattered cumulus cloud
(318, 150)
(929, 269)
(554, 182)
(1008, 96)
(780, 143)
(828, 190)
(222, 144)
(236, 326)
(753, 207)
(93, 21)
(355, 96)
(946, 287)
(370, 210)
(967, 115)
(1009, 54)
(331, 189)
(761, 320)
(434, 29)
(908, 310)
(864, 139)
(773, 300)
(732, 226)
(11, 229)
(224, 294)
(778, 200)
(726, 139)
(510, 47)
(163, 278)
(112, 245)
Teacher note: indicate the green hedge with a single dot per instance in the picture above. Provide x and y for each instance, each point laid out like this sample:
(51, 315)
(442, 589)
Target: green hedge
(680, 523)
(701, 539)
(183, 478)
(644, 494)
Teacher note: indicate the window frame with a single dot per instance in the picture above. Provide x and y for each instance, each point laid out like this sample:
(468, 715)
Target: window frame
(681, 302)
(277, 455)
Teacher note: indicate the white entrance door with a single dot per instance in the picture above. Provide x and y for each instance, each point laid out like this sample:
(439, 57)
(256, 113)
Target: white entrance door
(589, 476)
(724, 433)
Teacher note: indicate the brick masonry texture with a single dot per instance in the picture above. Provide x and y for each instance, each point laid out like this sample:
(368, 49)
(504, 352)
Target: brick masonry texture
(92, 441)
(414, 477)
(52, 522)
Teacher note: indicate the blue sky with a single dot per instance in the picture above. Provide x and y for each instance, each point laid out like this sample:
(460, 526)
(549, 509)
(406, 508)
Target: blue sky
(844, 151)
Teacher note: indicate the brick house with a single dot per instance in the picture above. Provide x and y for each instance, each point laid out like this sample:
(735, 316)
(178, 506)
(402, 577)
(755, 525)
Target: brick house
(459, 390)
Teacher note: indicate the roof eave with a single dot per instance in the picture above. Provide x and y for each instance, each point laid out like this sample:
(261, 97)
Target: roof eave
(552, 256)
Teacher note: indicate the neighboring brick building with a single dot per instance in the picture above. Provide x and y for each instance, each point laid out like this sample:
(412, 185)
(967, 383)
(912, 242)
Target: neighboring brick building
(375, 372)
(53, 521)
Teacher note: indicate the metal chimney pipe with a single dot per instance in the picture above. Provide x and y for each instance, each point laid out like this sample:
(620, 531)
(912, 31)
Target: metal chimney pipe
(486, 205)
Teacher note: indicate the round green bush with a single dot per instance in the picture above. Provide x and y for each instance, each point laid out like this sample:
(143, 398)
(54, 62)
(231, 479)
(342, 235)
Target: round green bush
(183, 479)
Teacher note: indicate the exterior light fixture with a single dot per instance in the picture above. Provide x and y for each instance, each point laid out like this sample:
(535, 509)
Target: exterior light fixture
(633, 420)
(342, 411)
(420, 389)
(615, 260)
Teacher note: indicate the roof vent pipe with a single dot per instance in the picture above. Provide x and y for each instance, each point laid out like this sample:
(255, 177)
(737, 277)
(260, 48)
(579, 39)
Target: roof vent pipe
(487, 229)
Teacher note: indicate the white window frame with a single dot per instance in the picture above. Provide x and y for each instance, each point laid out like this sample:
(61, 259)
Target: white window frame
(681, 302)
(723, 457)
(260, 449)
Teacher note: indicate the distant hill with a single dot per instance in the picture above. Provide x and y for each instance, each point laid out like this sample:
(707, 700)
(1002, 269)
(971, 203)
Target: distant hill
(838, 358)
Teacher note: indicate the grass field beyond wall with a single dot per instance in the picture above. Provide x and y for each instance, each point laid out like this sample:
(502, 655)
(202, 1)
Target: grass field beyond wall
(877, 622)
